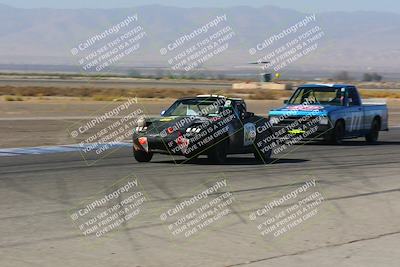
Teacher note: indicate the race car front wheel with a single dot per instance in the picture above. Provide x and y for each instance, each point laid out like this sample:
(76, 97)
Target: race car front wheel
(265, 157)
(142, 156)
(263, 149)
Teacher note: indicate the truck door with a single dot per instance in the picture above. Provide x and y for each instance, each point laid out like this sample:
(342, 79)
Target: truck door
(355, 123)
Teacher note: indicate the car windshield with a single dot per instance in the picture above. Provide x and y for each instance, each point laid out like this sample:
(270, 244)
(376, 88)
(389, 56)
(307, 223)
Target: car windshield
(317, 95)
(194, 107)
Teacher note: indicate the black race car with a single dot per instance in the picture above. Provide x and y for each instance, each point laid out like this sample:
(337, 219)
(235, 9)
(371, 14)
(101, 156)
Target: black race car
(204, 125)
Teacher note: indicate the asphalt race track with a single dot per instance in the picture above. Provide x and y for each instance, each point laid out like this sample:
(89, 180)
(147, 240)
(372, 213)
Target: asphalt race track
(357, 223)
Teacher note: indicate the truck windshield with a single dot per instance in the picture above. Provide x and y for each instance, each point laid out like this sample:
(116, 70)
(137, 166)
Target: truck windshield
(318, 95)
(194, 107)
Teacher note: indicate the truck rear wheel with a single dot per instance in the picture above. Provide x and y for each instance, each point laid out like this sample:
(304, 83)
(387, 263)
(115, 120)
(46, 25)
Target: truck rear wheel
(142, 156)
(373, 135)
(335, 136)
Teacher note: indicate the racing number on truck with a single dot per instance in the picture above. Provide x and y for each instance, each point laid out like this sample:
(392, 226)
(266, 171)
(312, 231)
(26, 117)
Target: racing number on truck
(356, 120)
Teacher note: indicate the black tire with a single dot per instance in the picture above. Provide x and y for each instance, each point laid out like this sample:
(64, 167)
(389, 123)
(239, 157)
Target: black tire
(264, 152)
(217, 154)
(336, 135)
(373, 135)
(142, 156)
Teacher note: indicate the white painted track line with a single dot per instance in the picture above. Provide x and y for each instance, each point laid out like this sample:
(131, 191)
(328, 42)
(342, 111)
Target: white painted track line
(18, 151)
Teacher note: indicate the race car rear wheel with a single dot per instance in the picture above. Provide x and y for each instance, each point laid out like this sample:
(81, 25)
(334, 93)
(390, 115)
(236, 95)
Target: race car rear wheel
(263, 150)
(373, 135)
(142, 156)
(217, 154)
(264, 157)
(336, 135)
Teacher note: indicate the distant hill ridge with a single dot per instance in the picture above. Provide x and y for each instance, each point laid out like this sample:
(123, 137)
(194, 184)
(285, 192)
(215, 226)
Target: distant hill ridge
(353, 40)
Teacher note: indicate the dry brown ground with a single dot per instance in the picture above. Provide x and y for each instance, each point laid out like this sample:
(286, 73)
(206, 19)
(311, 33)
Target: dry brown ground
(20, 93)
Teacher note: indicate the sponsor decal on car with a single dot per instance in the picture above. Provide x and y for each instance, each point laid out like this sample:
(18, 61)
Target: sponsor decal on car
(183, 143)
(250, 134)
(167, 119)
(304, 108)
(296, 131)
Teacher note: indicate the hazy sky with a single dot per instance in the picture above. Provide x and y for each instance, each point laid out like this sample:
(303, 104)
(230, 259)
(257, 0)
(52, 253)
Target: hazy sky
(301, 5)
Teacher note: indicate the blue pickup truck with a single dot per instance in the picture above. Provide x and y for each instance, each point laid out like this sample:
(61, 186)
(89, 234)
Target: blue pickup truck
(335, 111)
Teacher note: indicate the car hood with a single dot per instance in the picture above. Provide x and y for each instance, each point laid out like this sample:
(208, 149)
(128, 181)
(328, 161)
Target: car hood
(157, 125)
(303, 110)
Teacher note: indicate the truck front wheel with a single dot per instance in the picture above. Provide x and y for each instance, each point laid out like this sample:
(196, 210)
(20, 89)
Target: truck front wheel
(335, 136)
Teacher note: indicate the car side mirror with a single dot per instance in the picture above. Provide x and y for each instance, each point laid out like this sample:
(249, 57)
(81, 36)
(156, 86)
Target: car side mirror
(162, 113)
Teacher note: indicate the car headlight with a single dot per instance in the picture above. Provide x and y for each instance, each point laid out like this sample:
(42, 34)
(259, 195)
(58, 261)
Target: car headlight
(324, 121)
